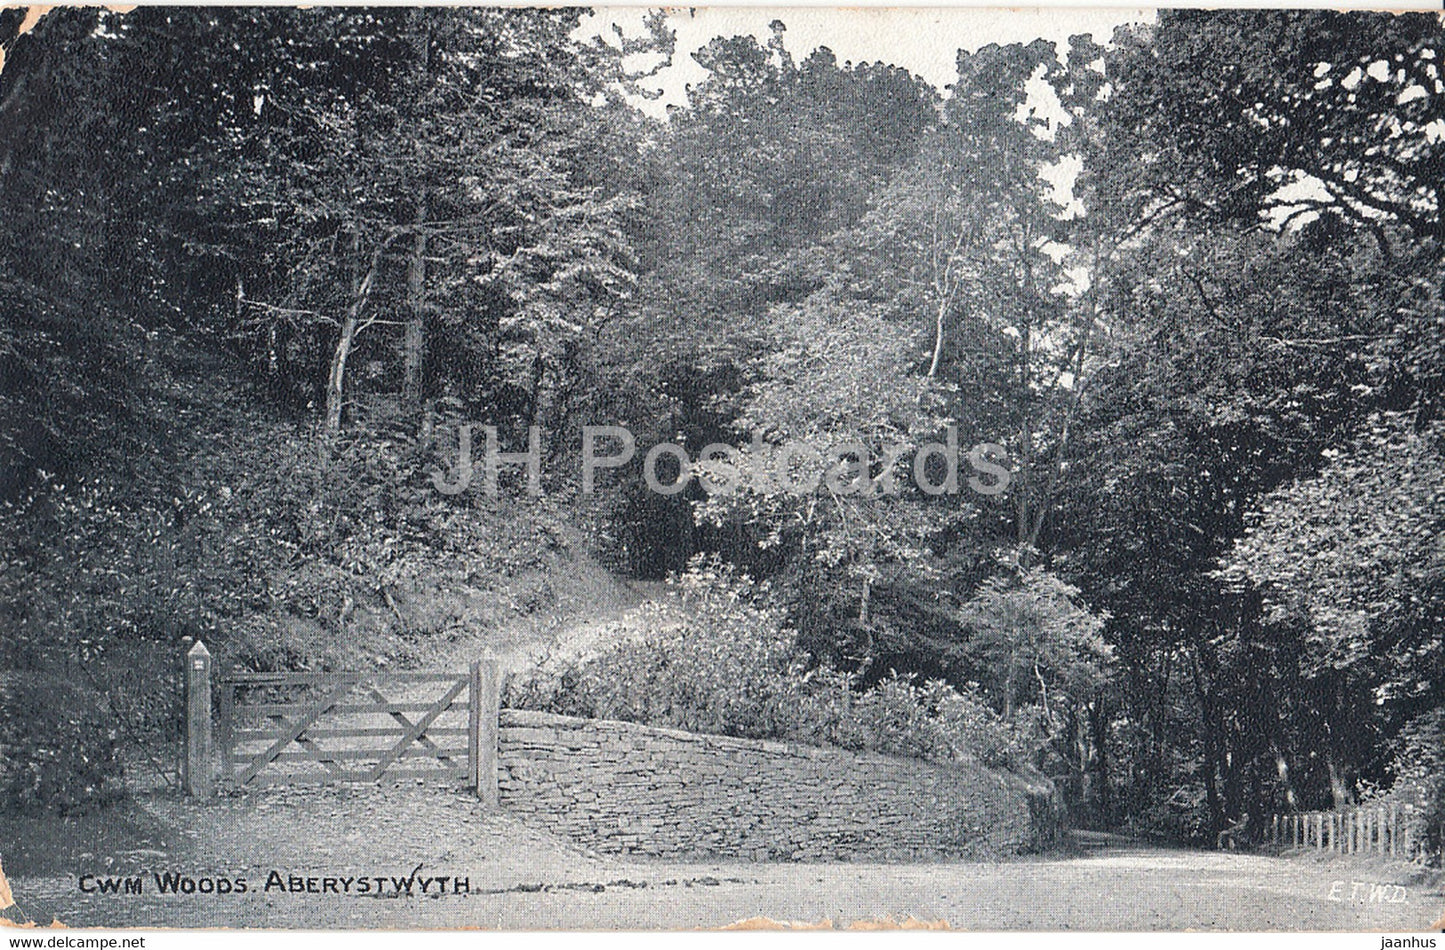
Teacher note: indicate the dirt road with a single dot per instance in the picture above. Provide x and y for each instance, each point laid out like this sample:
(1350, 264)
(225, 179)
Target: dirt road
(521, 877)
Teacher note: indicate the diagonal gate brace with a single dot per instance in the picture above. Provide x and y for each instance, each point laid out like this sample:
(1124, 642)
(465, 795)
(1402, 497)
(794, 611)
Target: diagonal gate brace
(293, 731)
(415, 731)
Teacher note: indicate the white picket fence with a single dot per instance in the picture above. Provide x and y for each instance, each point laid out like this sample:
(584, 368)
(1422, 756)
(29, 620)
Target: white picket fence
(1381, 830)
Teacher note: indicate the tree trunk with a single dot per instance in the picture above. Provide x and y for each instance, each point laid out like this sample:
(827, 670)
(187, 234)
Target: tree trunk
(350, 326)
(1026, 434)
(414, 336)
(938, 339)
(1281, 767)
(1099, 727)
(1069, 746)
(1339, 787)
(1213, 758)
(413, 343)
(1338, 791)
(1026, 439)
(336, 378)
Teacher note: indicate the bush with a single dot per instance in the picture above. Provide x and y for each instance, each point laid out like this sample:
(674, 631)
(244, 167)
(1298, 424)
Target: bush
(57, 753)
(719, 666)
(929, 721)
(726, 666)
(971, 728)
(1421, 778)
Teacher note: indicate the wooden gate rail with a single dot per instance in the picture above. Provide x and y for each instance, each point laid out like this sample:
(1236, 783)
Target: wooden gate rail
(313, 730)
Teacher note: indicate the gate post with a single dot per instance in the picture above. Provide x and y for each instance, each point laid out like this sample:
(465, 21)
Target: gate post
(484, 710)
(198, 779)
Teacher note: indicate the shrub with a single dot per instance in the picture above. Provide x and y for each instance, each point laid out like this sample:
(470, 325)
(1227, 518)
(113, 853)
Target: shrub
(57, 753)
(1421, 778)
(720, 666)
(726, 666)
(929, 721)
(970, 728)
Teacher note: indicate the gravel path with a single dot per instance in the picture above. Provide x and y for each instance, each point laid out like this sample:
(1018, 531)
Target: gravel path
(520, 878)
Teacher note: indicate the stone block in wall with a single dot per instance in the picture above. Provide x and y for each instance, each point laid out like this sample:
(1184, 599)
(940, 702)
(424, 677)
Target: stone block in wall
(527, 736)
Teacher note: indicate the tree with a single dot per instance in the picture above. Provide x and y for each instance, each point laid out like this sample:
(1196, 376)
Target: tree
(842, 389)
(771, 157)
(1355, 551)
(1239, 144)
(1281, 114)
(1032, 638)
(445, 188)
(971, 242)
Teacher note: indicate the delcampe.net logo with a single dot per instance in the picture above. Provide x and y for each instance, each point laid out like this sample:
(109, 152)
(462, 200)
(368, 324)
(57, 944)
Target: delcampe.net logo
(795, 467)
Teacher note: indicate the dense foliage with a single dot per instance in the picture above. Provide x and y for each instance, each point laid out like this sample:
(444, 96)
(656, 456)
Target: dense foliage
(716, 663)
(57, 750)
(258, 265)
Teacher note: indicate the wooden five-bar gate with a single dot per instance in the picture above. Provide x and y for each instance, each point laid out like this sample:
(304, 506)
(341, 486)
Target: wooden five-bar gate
(322, 728)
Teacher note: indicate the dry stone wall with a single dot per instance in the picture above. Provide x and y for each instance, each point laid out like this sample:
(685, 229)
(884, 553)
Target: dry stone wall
(621, 787)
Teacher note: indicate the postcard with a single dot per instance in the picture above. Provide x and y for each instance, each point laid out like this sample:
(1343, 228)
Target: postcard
(622, 469)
